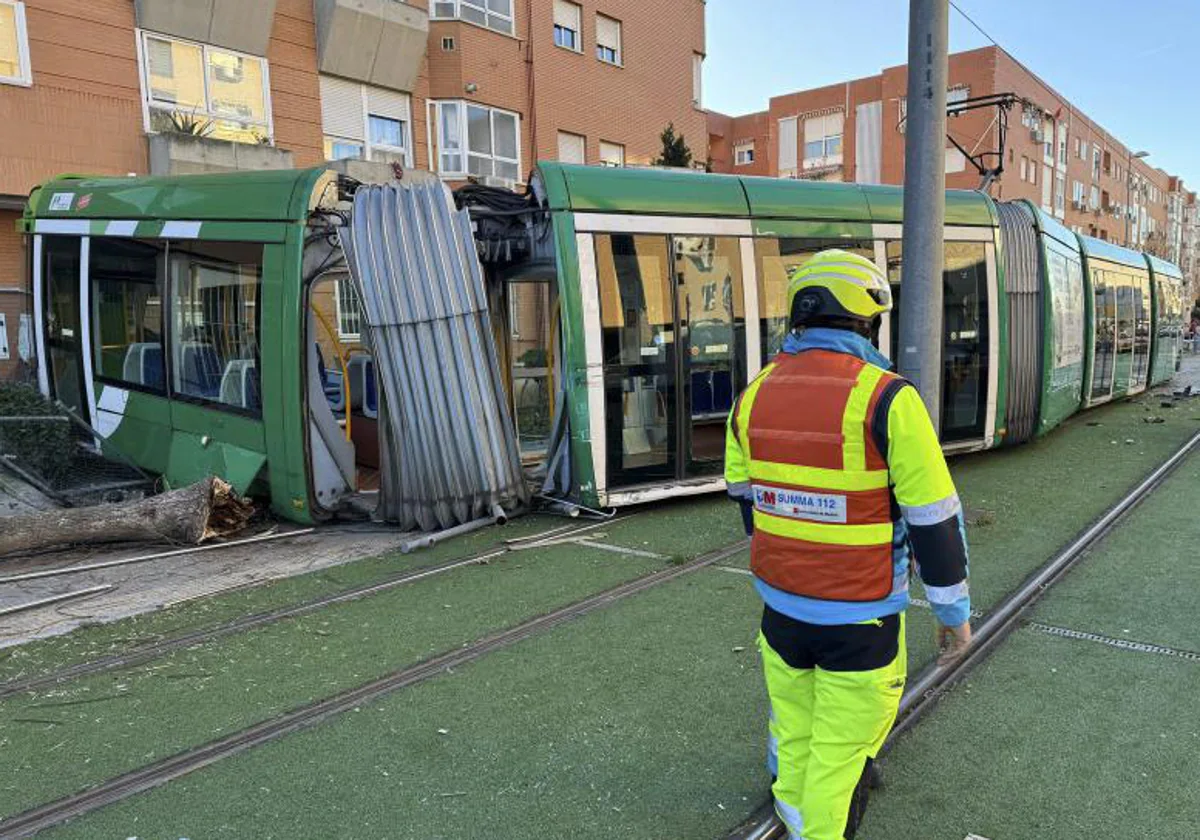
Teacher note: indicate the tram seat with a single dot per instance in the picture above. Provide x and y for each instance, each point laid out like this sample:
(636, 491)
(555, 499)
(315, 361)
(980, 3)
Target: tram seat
(239, 384)
(363, 394)
(144, 364)
(331, 383)
(712, 392)
(199, 370)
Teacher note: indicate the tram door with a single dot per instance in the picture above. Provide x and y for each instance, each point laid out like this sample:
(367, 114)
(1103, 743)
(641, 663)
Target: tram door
(64, 338)
(673, 343)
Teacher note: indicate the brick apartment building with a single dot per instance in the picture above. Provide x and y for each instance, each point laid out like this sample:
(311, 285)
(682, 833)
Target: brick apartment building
(1056, 155)
(480, 88)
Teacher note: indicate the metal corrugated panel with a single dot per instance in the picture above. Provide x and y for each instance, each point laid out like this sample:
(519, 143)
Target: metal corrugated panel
(1022, 281)
(451, 450)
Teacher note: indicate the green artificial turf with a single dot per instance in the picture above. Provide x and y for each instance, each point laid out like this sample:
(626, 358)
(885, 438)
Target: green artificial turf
(1027, 502)
(1051, 738)
(98, 640)
(60, 740)
(644, 720)
(1142, 582)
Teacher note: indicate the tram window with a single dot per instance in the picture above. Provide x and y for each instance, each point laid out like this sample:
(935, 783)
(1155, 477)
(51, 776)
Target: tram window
(638, 342)
(1105, 312)
(215, 322)
(127, 312)
(965, 335)
(775, 258)
(60, 272)
(529, 335)
(1141, 333)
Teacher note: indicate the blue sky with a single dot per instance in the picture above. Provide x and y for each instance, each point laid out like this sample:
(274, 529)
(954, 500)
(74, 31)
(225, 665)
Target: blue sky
(1132, 65)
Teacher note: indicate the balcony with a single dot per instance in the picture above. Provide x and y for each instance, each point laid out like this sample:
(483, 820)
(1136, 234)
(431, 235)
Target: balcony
(188, 154)
(233, 24)
(380, 42)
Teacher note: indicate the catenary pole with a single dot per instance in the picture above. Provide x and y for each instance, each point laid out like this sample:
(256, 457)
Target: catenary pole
(920, 346)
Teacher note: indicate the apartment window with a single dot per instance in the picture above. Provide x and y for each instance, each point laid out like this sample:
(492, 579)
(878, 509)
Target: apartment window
(1062, 144)
(1094, 197)
(493, 14)
(448, 45)
(1096, 156)
(743, 154)
(204, 90)
(349, 311)
(1024, 168)
(1033, 167)
(14, 44)
(612, 154)
(823, 140)
(958, 93)
(1048, 141)
(477, 140)
(572, 148)
(608, 39)
(1077, 192)
(566, 25)
(365, 122)
(1060, 189)
(697, 79)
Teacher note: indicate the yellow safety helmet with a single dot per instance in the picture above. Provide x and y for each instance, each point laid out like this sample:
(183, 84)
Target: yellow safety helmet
(840, 285)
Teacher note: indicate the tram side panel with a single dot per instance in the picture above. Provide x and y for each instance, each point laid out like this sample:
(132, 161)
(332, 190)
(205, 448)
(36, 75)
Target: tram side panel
(1065, 331)
(1168, 316)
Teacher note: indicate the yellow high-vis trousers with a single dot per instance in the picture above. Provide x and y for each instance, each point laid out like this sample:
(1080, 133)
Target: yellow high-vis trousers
(827, 718)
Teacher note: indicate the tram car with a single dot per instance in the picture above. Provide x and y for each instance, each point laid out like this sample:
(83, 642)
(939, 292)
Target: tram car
(200, 324)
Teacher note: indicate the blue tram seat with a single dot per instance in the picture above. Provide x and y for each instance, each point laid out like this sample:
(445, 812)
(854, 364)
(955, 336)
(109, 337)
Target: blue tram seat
(363, 394)
(144, 365)
(331, 382)
(239, 384)
(199, 370)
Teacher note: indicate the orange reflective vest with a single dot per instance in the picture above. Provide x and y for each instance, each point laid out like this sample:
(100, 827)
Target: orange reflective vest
(823, 510)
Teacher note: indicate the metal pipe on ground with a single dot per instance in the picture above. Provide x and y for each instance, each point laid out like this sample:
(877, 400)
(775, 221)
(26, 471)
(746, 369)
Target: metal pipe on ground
(55, 599)
(498, 516)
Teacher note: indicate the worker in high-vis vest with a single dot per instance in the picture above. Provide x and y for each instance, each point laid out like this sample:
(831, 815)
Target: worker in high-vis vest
(843, 485)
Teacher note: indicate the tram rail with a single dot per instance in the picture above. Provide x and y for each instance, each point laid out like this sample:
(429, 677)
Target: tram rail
(934, 681)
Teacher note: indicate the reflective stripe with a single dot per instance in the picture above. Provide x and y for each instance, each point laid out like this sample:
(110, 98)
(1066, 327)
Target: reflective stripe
(738, 490)
(932, 513)
(854, 437)
(746, 401)
(773, 755)
(826, 479)
(824, 532)
(791, 818)
(947, 594)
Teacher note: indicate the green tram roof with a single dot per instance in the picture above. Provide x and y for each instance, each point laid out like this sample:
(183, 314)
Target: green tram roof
(283, 195)
(1100, 250)
(1052, 227)
(1161, 266)
(686, 193)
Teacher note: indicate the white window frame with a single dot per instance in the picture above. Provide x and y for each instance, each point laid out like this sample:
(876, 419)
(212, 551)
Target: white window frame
(479, 6)
(746, 146)
(577, 31)
(434, 126)
(339, 309)
(826, 158)
(144, 79)
(620, 147)
(619, 50)
(698, 79)
(24, 77)
(365, 140)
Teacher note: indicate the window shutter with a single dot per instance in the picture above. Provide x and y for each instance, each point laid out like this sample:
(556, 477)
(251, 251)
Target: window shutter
(608, 33)
(697, 77)
(571, 148)
(342, 108)
(566, 15)
(787, 144)
(814, 129)
(388, 103)
(834, 124)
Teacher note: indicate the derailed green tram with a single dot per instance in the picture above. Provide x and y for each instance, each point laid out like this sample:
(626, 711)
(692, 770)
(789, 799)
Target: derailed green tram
(180, 318)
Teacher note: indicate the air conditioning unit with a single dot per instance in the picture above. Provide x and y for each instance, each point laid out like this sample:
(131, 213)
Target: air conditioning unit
(495, 181)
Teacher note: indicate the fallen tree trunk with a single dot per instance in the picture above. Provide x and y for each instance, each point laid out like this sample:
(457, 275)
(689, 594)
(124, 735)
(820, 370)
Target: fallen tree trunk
(186, 516)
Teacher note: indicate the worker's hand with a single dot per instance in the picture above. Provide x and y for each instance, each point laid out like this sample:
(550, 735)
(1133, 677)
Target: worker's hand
(952, 642)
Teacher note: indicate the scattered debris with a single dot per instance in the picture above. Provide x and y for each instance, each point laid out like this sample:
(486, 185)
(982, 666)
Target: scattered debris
(1154, 418)
(1167, 404)
(1130, 440)
(979, 518)
(738, 648)
(1095, 423)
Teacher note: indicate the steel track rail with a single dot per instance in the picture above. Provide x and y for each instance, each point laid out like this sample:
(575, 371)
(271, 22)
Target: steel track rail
(152, 775)
(153, 650)
(933, 682)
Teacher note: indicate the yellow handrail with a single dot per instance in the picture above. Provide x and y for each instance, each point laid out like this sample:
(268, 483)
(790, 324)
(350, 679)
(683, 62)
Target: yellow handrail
(341, 360)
